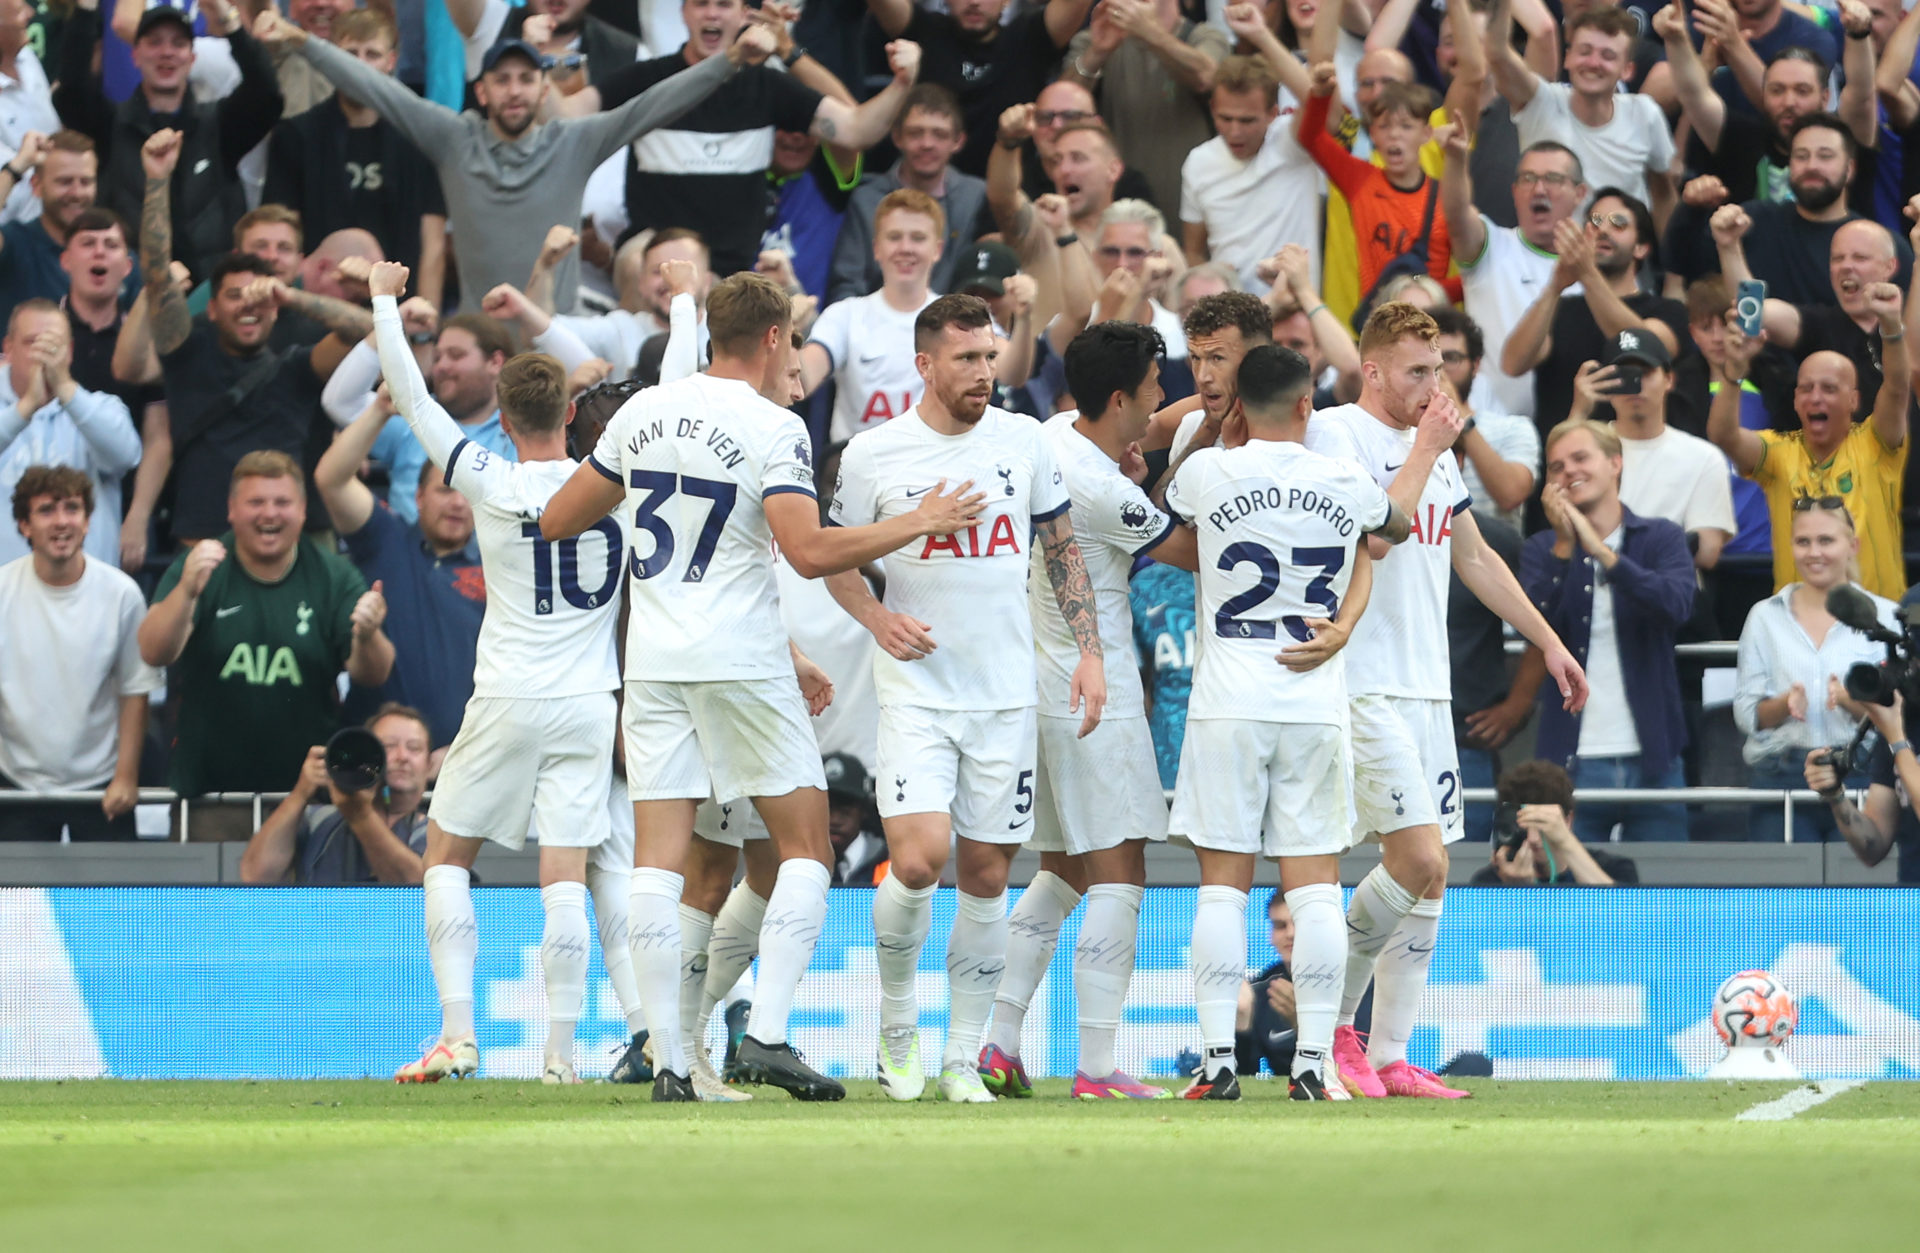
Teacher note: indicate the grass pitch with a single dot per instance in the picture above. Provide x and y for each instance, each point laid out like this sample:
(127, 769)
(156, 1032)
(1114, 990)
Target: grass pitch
(353, 1166)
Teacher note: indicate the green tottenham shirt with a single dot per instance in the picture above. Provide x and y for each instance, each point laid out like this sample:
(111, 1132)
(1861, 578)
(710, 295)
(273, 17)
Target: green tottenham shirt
(257, 680)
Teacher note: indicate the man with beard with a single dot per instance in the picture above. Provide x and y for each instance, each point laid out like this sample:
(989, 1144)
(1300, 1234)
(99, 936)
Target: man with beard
(930, 131)
(1061, 104)
(259, 621)
(229, 392)
(1793, 85)
(1859, 464)
(63, 171)
(502, 168)
(1790, 245)
(1560, 332)
(991, 65)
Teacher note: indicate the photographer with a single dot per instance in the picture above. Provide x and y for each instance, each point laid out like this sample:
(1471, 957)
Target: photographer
(1889, 817)
(1533, 840)
(1263, 1024)
(375, 835)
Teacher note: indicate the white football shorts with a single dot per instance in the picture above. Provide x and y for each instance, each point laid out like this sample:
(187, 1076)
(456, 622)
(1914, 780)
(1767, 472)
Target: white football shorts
(518, 764)
(616, 853)
(1274, 789)
(976, 765)
(1098, 792)
(732, 823)
(1406, 769)
(737, 737)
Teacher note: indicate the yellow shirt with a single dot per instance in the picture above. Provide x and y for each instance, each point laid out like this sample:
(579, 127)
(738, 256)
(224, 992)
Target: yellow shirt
(1340, 257)
(1862, 471)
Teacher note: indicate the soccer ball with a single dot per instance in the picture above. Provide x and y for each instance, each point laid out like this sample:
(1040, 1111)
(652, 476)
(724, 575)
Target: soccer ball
(1751, 1008)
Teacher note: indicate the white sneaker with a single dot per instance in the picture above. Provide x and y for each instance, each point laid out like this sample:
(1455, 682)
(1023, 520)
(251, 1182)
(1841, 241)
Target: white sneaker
(900, 1074)
(458, 1060)
(558, 1073)
(708, 1086)
(961, 1082)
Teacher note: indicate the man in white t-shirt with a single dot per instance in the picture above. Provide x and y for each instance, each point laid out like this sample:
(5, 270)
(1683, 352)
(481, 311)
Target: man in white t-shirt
(1251, 188)
(1503, 269)
(1406, 771)
(1668, 473)
(1498, 452)
(1098, 798)
(1266, 767)
(712, 472)
(1622, 140)
(866, 343)
(73, 689)
(957, 677)
(1130, 235)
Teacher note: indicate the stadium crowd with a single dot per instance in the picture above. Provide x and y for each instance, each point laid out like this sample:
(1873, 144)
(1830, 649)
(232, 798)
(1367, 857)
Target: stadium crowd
(228, 545)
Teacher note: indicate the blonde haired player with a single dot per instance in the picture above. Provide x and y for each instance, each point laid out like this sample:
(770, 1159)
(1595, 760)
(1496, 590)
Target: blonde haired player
(1265, 766)
(535, 749)
(715, 472)
(1406, 769)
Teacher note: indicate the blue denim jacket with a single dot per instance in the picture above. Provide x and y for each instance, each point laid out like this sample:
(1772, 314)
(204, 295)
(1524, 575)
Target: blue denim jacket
(1653, 585)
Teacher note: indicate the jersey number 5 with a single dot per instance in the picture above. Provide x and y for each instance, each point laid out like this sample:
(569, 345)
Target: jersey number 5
(1228, 623)
(570, 588)
(660, 488)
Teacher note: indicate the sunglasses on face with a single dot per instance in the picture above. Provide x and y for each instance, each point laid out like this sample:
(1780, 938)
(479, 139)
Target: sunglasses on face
(1801, 504)
(1059, 117)
(1531, 178)
(1618, 220)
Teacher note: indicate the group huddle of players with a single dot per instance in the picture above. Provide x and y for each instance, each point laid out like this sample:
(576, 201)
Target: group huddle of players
(1011, 712)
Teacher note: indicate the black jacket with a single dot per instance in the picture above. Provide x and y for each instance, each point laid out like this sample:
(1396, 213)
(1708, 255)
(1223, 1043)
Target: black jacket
(207, 195)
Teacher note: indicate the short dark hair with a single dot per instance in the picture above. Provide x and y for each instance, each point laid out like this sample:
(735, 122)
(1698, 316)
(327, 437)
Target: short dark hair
(490, 334)
(668, 234)
(1826, 121)
(98, 218)
(968, 313)
(1212, 314)
(1559, 149)
(1272, 378)
(237, 263)
(1643, 228)
(1110, 357)
(1452, 321)
(1608, 21)
(1536, 783)
(933, 98)
(59, 482)
(1797, 53)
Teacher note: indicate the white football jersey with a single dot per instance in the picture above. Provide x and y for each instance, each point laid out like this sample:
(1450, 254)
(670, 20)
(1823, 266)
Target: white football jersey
(1114, 522)
(874, 378)
(1400, 646)
(551, 607)
(1276, 525)
(969, 587)
(697, 458)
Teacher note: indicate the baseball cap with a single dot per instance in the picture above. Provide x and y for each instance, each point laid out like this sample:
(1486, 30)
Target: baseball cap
(160, 14)
(1643, 347)
(514, 47)
(986, 267)
(846, 777)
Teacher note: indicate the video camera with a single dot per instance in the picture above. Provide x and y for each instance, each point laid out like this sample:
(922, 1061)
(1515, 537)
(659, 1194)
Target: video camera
(1867, 682)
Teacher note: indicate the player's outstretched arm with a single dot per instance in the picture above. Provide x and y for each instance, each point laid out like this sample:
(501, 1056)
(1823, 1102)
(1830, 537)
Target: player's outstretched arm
(435, 428)
(582, 500)
(1489, 579)
(904, 638)
(1067, 571)
(816, 551)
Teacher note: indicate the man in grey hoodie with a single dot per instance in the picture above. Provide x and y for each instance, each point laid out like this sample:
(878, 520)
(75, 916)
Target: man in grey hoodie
(507, 175)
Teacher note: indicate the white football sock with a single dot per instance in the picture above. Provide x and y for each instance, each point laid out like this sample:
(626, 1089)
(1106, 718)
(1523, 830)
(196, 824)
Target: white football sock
(1378, 905)
(1319, 970)
(1033, 931)
(735, 943)
(901, 916)
(1102, 969)
(653, 937)
(1218, 958)
(609, 890)
(976, 956)
(696, 925)
(564, 949)
(795, 913)
(453, 941)
(1399, 980)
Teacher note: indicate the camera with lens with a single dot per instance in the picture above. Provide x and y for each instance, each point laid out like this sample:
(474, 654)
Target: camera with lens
(1507, 831)
(1875, 683)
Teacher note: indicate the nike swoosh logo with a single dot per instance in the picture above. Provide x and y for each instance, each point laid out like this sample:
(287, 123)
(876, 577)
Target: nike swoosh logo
(1015, 826)
(922, 492)
(230, 609)
(1391, 469)
(1159, 608)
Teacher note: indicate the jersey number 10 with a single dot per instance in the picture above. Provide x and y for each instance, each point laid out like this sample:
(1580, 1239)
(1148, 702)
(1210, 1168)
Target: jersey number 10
(1227, 621)
(570, 588)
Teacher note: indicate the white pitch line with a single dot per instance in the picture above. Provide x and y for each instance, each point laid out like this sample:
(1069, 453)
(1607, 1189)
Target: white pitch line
(1798, 1101)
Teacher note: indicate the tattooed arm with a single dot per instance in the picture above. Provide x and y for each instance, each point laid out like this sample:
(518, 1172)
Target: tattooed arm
(167, 307)
(1067, 571)
(348, 322)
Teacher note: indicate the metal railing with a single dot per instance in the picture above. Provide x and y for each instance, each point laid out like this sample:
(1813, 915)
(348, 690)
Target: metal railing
(1751, 797)
(1704, 650)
